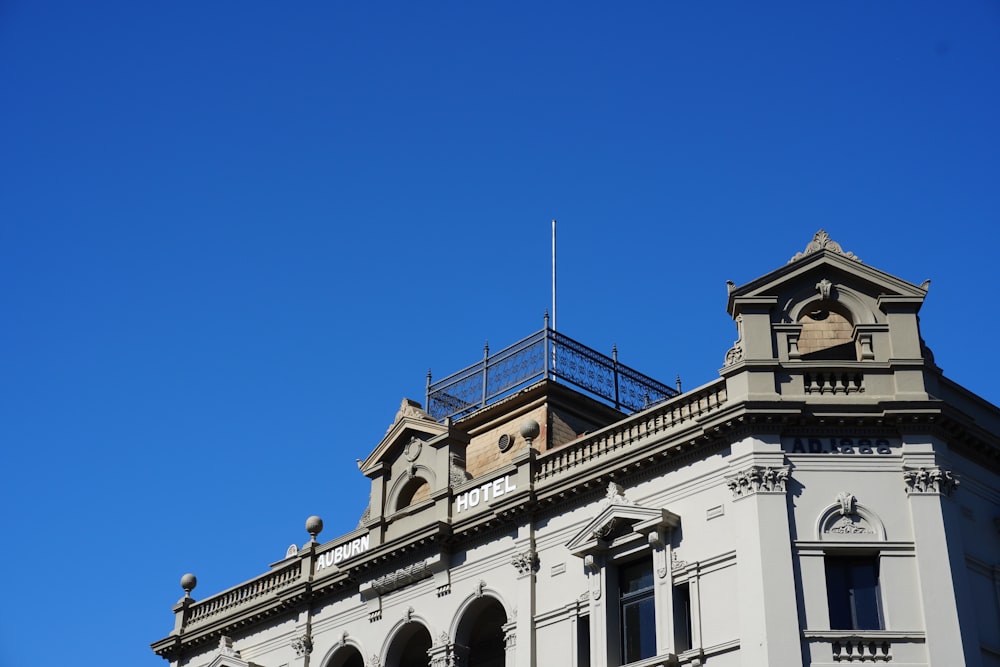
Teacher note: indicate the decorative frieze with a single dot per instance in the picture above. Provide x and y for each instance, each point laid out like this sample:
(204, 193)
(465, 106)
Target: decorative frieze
(929, 481)
(757, 479)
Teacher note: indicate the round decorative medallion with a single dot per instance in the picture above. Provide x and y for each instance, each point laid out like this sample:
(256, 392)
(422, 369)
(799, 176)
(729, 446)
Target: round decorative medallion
(412, 449)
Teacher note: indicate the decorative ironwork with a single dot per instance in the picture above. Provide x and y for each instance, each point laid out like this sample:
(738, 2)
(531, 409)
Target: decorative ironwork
(543, 355)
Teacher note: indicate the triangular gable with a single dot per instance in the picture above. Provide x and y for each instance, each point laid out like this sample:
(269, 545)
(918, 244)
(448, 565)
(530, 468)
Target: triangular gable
(616, 510)
(823, 254)
(228, 656)
(411, 421)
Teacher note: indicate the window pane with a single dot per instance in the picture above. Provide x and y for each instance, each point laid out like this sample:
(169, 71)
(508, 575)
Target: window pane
(639, 629)
(864, 593)
(853, 593)
(636, 577)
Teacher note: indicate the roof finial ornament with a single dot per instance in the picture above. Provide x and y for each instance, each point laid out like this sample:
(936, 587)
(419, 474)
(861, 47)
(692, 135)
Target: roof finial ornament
(822, 241)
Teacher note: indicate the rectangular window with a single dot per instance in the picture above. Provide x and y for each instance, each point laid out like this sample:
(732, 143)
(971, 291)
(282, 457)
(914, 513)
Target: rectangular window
(638, 610)
(853, 594)
(682, 618)
(583, 641)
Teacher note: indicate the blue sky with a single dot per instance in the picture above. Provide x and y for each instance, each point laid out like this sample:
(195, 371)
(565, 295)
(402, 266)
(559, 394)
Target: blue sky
(236, 234)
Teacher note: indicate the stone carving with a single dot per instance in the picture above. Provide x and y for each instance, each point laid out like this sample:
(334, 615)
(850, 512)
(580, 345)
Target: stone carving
(758, 479)
(412, 449)
(226, 647)
(930, 480)
(822, 241)
(408, 615)
(443, 639)
(675, 562)
(735, 353)
(303, 645)
(525, 562)
(848, 503)
(615, 496)
(456, 470)
(480, 587)
(374, 661)
(410, 408)
(824, 286)
(850, 525)
(292, 550)
(603, 531)
(343, 639)
(510, 640)
(366, 514)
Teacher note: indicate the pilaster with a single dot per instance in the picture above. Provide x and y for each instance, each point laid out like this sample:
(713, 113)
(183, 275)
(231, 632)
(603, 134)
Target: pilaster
(947, 605)
(519, 633)
(768, 614)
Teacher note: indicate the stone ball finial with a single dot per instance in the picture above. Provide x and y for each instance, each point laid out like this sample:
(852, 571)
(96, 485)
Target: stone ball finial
(530, 429)
(314, 526)
(188, 582)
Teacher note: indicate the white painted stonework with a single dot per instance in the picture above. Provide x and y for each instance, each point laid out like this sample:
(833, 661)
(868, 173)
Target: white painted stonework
(830, 499)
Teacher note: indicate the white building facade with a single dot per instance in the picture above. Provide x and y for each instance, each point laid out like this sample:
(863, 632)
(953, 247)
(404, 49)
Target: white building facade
(831, 498)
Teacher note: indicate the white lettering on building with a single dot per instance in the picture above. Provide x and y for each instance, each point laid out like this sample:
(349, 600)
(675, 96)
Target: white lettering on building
(483, 494)
(342, 552)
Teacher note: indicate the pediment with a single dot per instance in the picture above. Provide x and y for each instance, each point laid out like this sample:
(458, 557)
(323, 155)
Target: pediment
(823, 260)
(618, 518)
(411, 425)
(231, 661)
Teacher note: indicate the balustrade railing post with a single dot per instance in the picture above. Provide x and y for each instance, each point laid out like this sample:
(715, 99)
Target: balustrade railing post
(614, 365)
(545, 345)
(486, 363)
(427, 394)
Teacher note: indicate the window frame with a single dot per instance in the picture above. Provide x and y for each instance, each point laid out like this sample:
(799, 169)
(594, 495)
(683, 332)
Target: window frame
(849, 596)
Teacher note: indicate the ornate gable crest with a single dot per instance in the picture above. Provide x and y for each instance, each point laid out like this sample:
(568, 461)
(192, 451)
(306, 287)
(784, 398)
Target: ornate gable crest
(822, 241)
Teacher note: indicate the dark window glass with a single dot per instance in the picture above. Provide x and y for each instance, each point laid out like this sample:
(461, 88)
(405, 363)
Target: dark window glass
(682, 618)
(638, 611)
(853, 593)
(583, 641)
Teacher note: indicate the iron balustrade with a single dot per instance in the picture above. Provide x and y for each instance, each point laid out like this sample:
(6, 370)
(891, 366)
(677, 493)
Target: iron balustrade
(545, 354)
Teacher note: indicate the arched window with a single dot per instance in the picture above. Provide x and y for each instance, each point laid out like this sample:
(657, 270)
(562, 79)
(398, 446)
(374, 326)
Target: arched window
(347, 656)
(416, 490)
(480, 634)
(827, 333)
(409, 647)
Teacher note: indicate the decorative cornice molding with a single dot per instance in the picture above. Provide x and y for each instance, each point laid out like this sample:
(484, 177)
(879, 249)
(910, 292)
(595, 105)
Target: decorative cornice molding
(757, 479)
(822, 241)
(929, 481)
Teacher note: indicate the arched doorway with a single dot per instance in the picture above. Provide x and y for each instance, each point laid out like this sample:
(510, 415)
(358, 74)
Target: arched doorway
(480, 633)
(409, 647)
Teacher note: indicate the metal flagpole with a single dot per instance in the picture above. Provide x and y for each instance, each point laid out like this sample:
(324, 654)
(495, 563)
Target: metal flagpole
(554, 356)
(553, 274)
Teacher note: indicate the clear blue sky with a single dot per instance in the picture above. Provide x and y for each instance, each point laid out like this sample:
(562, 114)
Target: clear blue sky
(236, 234)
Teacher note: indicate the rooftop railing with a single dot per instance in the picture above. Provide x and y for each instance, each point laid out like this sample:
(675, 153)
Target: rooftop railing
(543, 355)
